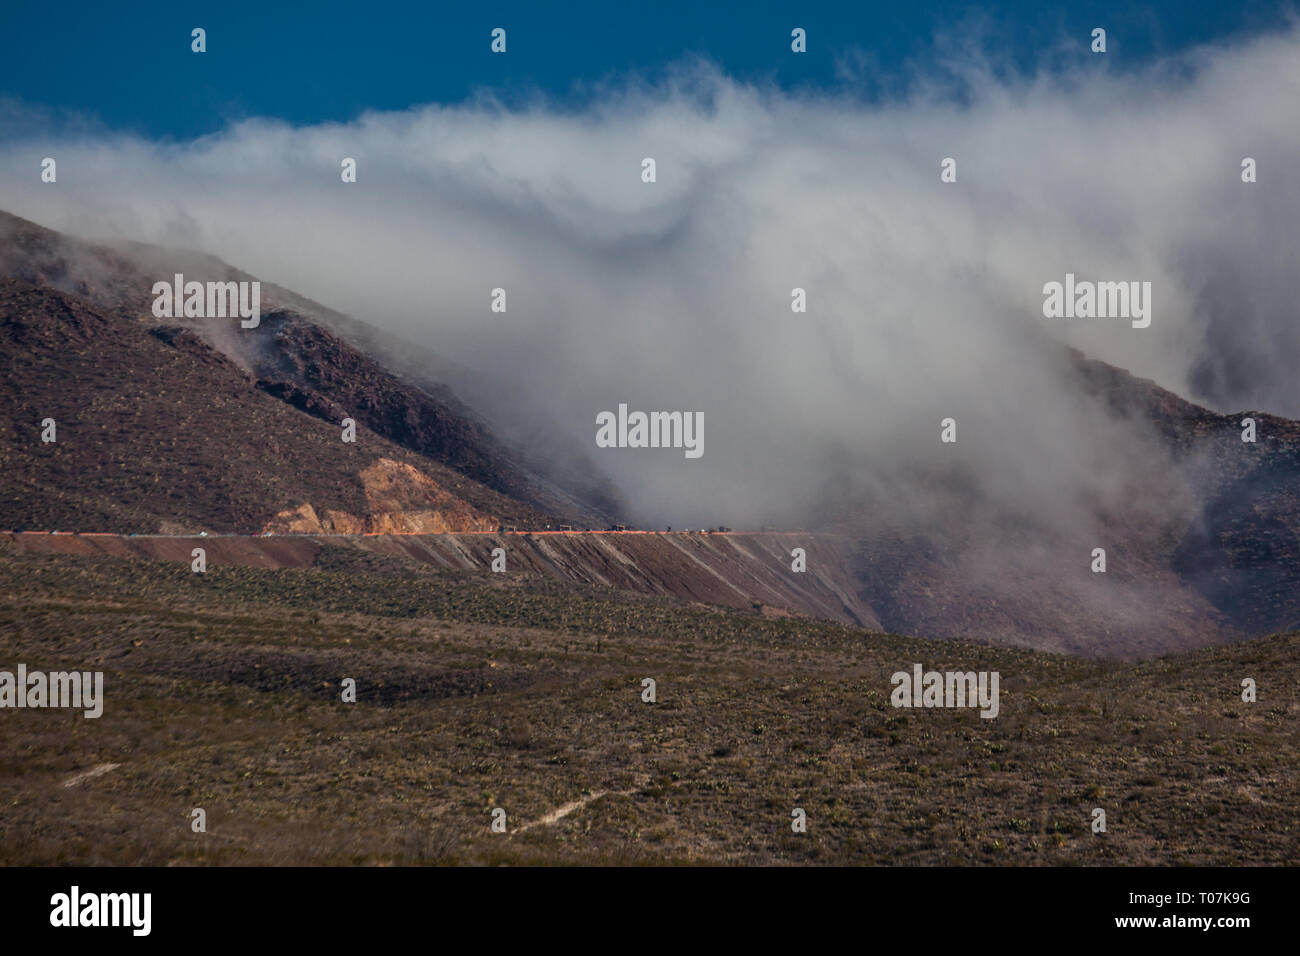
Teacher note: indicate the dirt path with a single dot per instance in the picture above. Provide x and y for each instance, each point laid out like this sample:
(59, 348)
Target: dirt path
(96, 771)
(561, 812)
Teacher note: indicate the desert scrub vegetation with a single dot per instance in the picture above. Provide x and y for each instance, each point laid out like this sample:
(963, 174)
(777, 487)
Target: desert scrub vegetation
(223, 691)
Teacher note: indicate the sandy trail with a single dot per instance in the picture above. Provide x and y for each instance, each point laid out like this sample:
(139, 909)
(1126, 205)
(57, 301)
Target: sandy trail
(561, 812)
(96, 771)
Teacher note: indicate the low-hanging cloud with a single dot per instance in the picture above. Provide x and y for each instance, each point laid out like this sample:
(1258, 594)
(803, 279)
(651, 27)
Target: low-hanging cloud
(924, 298)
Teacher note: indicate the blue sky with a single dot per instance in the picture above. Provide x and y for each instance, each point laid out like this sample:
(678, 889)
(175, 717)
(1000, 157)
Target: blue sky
(129, 66)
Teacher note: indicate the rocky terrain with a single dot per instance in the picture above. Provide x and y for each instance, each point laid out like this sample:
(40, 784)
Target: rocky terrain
(323, 364)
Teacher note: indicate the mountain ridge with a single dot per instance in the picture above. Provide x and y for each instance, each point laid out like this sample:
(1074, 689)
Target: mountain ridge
(181, 427)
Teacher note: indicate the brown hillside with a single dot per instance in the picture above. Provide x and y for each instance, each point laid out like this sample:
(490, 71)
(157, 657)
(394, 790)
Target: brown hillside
(156, 430)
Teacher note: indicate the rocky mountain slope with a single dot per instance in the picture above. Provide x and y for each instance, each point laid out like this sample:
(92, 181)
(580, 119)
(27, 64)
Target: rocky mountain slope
(156, 431)
(318, 361)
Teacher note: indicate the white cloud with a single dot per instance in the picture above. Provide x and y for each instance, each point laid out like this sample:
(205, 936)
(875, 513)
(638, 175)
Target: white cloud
(924, 298)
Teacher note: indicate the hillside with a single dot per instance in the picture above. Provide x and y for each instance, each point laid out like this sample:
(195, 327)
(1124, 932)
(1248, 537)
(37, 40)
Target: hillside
(731, 570)
(1201, 533)
(156, 431)
(323, 363)
(185, 426)
(223, 692)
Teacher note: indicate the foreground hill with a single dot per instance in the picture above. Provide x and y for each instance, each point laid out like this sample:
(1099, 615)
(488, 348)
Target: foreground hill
(222, 691)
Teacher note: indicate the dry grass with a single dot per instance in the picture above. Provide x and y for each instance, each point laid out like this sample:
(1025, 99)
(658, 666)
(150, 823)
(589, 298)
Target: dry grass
(223, 693)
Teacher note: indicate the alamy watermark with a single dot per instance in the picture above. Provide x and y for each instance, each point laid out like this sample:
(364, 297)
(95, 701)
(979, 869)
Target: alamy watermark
(1098, 300)
(76, 908)
(211, 300)
(651, 430)
(81, 690)
(951, 689)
